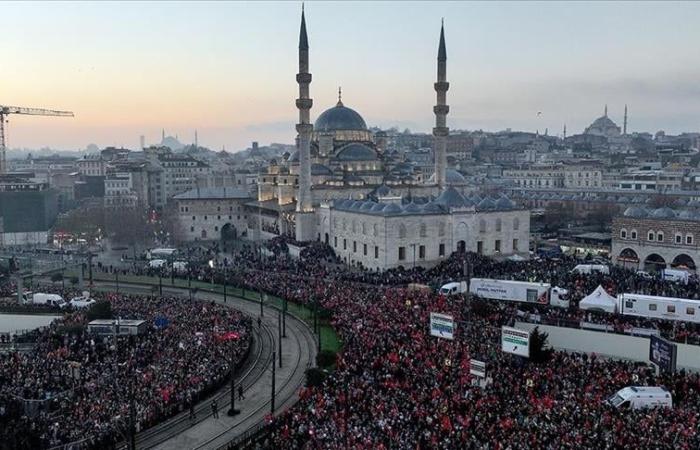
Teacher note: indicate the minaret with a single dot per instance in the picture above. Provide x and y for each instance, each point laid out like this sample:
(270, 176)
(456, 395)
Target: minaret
(624, 123)
(196, 139)
(564, 131)
(440, 132)
(162, 138)
(305, 219)
(606, 110)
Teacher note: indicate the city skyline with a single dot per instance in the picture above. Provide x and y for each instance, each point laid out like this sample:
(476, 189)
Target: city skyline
(222, 69)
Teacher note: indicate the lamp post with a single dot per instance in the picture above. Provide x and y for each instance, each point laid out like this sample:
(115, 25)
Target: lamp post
(414, 255)
(232, 410)
(225, 273)
(272, 402)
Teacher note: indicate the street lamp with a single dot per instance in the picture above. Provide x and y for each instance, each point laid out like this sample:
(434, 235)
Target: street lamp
(232, 410)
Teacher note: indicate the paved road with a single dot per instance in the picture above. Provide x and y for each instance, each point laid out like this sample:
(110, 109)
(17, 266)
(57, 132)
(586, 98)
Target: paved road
(205, 432)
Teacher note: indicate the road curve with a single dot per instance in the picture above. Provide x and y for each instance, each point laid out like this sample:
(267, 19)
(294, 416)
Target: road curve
(205, 432)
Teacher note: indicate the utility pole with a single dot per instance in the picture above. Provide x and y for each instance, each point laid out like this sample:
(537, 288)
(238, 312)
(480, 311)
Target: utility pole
(225, 283)
(272, 402)
(284, 319)
(279, 336)
(233, 411)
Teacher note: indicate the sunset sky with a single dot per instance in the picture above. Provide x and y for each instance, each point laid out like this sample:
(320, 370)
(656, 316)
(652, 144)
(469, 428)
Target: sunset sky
(228, 69)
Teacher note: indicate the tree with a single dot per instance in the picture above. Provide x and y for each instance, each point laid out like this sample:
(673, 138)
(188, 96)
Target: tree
(56, 277)
(325, 358)
(315, 377)
(602, 215)
(130, 226)
(100, 310)
(539, 352)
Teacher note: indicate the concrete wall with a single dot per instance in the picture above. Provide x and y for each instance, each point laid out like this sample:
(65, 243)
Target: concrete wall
(611, 345)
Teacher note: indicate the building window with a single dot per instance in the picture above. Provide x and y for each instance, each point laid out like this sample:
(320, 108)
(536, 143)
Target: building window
(364, 249)
(660, 237)
(216, 228)
(689, 239)
(345, 244)
(679, 239)
(623, 234)
(354, 246)
(191, 229)
(205, 217)
(515, 245)
(671, 308)
(650, 237)
(497, 246)
(633, 234)
(441, 229)
(193, 218)
(441, 250)
(402, 231)
(376, 252)
(421, 252)
(480, 247)
(690, 311)
(516, 224)
(652, 307)
(423, 230)
(498, 224)
(482, 226)
(376, 229)
(335, 241)
(402, 253)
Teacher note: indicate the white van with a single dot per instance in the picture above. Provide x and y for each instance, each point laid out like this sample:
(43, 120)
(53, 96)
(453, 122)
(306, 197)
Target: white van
(156, 263)
(637, 397)
(591, 268)
(47, 299)
(454, 288)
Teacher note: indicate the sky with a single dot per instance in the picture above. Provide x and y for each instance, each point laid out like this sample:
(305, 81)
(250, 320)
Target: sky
(227, 69)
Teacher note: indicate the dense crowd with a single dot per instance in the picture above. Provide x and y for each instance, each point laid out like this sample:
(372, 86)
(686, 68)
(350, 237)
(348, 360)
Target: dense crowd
(75, 387)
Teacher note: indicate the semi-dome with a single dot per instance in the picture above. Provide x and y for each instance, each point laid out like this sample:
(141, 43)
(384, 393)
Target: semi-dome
(356, 152)
(340, 118)
(686, 214)
(663, 213)
(451, 177)
(635, 211)
(432, 207)
(378, 207)
(451, 198)
(411, 208)
(504, 204)
(392, 208)
(366, 206)
(320, 169)
(486, 204)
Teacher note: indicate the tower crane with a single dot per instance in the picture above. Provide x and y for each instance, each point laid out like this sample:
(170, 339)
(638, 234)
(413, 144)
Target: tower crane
(7, 110)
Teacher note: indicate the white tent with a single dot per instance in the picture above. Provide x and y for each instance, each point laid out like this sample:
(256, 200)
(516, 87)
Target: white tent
(599, 300)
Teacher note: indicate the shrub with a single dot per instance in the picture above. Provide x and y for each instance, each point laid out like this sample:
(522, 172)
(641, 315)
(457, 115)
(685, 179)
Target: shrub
(315, 377)
(325, 358)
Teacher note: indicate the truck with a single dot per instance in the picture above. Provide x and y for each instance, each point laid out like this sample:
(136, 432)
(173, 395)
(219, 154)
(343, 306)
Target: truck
(519, 291)
(454, 288)
(637, 397)
(676, 275)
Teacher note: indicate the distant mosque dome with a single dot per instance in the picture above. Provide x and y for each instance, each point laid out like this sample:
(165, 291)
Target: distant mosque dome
(340, 118)
(603, 126)
(356, 152)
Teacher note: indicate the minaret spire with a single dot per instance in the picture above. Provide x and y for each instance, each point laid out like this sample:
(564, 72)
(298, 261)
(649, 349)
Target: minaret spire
(564, 131)
(606, 110)
(624, 123)
(441, 131)
(162, 135)
(304, 218)
(340, 96)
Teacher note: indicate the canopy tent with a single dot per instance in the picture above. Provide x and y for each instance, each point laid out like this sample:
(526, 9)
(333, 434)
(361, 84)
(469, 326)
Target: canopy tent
(599, 300)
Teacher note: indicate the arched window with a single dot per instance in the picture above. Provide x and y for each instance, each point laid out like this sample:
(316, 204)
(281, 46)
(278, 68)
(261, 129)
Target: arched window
(633, 234)
(482, 226)
(441, 229)
(423, 230)
(354, 226)
(689, 239)
(376, 229)
(650, 235)
(402, 231)
(364, 228)
(516, 223)
(679, 238)
(660, 236)
(498, 224)
(623, 234)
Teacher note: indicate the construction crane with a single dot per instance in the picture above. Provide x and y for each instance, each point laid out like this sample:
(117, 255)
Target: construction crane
(7, 110)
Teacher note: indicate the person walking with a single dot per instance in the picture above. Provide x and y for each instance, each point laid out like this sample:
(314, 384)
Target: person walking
(240, 393)
(215, 409)
(193, 414)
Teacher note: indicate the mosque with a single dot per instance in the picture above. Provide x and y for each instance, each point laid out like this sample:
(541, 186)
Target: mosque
(339, 186)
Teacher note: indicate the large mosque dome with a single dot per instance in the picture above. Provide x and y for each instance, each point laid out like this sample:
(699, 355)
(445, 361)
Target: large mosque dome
(340, 118)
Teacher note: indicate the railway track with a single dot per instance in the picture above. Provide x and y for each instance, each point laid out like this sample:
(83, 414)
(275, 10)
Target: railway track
(300, 340)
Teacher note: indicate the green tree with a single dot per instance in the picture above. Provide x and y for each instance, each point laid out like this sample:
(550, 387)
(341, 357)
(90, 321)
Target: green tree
(315, 377)
(56, 277)
(325, 358)
(539, 352)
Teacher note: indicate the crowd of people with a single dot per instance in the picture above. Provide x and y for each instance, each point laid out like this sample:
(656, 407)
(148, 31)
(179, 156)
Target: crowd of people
(75, 387)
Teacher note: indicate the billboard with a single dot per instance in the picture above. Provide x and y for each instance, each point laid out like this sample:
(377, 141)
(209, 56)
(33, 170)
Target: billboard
(442, 326)
(515, 341)
(662, 353)
(477, 368)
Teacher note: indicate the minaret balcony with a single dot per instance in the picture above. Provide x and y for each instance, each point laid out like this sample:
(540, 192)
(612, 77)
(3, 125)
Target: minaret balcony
(304, 103)
(442, 86)
(441, 109)
(303, 128)
(303, 78)
(441, 131)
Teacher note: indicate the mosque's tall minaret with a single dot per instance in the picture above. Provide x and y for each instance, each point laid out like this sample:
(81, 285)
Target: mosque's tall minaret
(441, 131)
(304, 212)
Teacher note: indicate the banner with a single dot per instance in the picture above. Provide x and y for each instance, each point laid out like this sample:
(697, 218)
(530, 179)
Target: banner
(515, 341)
(442, 326)
(662, 353)
(477, 368)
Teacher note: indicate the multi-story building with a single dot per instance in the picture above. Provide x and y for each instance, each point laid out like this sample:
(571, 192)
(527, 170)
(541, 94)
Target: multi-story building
(583, 175)
(27, 211)
(650, 181)
(548, 176)
(119, 192)
(92, 165)
(658, 238)
(211, 214)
